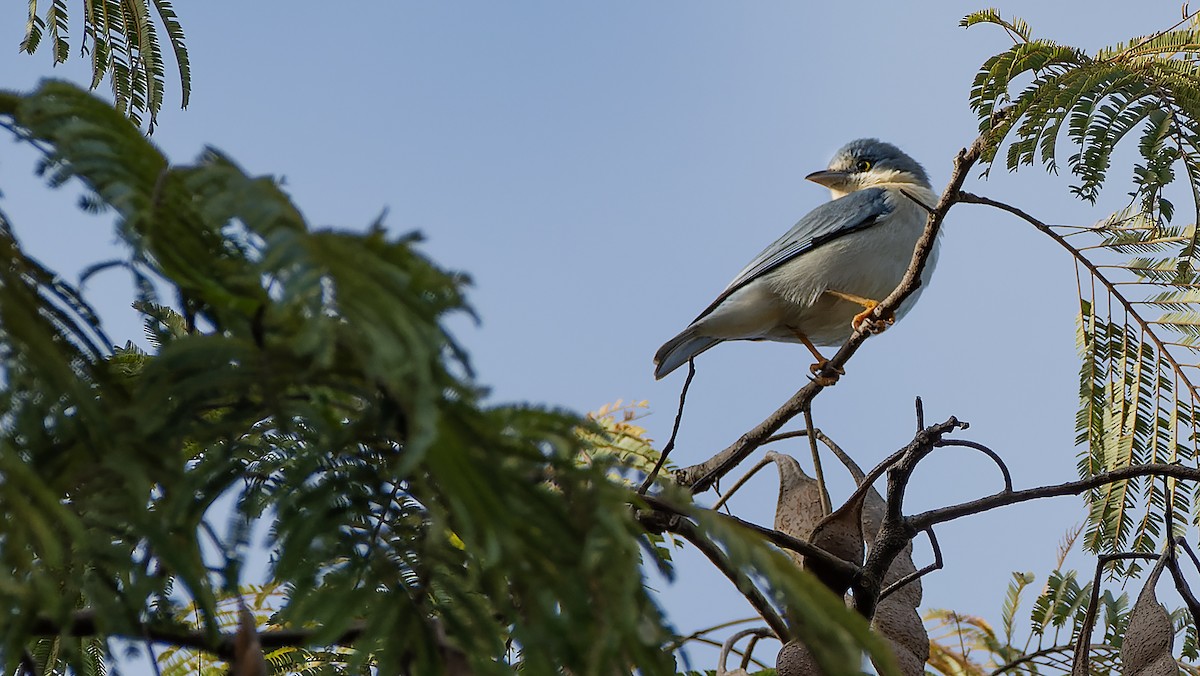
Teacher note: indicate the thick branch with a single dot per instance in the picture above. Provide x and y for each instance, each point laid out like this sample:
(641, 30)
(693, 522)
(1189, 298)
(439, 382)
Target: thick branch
(777, 538)
(83, 623)
(702, 476)
(924, 520)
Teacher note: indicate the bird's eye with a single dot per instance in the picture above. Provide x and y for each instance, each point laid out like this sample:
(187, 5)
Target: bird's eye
(862, 165)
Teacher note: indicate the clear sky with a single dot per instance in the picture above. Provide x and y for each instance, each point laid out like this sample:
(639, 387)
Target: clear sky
(603, 169)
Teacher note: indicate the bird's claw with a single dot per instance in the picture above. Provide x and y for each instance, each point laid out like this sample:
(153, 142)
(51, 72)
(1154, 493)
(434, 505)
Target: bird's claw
(873, 326)
(824, 380)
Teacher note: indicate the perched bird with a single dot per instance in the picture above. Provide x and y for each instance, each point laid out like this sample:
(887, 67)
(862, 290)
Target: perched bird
(820, 281)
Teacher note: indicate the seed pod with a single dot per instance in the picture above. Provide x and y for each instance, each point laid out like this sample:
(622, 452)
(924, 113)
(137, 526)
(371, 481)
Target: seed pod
(1146, 649)
(795, 660)
(798, 509)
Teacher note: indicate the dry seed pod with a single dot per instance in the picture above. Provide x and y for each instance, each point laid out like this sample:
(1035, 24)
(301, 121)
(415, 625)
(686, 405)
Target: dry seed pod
(795, 660)
(1146, 650)
(896, 617)
(798, 509)
(840, 534)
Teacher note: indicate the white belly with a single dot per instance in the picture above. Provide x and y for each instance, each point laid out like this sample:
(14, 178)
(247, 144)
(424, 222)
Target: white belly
(869, 264)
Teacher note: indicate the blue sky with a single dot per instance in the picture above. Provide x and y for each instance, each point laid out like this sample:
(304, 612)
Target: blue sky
(603, 169)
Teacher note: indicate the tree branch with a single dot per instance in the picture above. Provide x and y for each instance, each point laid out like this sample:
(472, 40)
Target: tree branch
(83, 623)
(932, 517)
(688, 531)
(777, 538)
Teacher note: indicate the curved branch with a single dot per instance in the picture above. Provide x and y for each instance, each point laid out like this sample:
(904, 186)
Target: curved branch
(1008, 486)
(727, 646)
(917, 574)
(1129, 306)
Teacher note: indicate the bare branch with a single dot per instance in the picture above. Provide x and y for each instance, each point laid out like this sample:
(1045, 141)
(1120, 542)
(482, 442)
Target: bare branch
(818, 473)
(1005, 498)
(662, 457)
(727, 647)
(915, 575)
(84, 623)
(989, 453)
(781, 540)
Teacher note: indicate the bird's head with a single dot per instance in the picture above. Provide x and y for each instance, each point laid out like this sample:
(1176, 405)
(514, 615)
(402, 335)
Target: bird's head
(868, 162)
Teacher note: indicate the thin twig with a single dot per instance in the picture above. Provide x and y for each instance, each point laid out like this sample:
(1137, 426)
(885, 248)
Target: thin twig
(740, 482)
(1094, 269)
(716, 644)
(730, 642)
(785, 435)
(915, 575)
(662, 457)
(986, 451)
(748, 653)
(682, 640)
(920, 414)
(83, 623)
(818, 473)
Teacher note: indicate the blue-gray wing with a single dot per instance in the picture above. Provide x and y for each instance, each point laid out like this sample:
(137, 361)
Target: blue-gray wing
(859, 210)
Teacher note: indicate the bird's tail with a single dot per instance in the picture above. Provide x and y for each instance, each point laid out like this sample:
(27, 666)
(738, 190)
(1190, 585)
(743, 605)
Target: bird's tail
(678, 350)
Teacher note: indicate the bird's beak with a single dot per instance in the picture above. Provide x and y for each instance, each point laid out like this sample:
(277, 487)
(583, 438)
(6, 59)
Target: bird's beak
(827, 178)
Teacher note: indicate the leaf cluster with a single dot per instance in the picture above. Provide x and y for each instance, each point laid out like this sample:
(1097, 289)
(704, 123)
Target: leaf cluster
(306, 374)
(121, 41)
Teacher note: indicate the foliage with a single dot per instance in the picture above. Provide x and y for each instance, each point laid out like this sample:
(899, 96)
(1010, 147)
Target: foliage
(970, 646)
(311, 379)
(1138, 275)
(120, 37)
(305, 375)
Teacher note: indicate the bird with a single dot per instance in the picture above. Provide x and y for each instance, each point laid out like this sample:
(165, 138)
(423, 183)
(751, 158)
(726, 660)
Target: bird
(821, 280)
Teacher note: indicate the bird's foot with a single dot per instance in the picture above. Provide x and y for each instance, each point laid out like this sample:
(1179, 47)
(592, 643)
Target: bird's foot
(872, 325)
(824, 380)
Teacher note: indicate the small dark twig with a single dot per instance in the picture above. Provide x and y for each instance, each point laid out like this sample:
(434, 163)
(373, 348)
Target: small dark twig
(915, 575)
(818, 473)
(662, 457)
(1181, 583)
(740, 482)
(1191, 554)
(727, 647)
(1008, 486)
(785, 435)
(748, 654)
(920, 414)
(1003, 499)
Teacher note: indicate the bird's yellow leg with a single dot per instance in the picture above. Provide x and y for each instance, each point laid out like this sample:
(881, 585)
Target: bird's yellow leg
(868, 305)
(822, 362)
